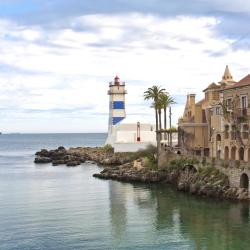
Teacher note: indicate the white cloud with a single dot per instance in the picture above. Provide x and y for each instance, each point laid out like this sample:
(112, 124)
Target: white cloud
(50, 70)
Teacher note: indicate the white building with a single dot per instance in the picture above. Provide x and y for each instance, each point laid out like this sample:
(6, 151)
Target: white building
(125, 136)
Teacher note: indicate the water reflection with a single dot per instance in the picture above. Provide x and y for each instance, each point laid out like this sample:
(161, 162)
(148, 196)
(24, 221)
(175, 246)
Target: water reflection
(118, 211)
(209, 224)
(193, 223)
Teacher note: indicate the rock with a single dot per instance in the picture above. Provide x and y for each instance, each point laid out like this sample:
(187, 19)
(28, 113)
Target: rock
(43, 152)
(42, 160)
(82, 159)
(58, 162)
(73, 163)
(138, 164)
(181, 186)
(61, 148)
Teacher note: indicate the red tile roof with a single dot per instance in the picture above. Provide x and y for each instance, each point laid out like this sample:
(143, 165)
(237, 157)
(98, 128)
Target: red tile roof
(243, 82)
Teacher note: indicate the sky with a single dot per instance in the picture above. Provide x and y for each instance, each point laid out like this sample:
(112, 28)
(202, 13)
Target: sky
(57, 57)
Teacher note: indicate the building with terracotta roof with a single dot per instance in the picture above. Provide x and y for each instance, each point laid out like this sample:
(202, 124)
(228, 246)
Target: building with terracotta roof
(197, 125)
(230, 122)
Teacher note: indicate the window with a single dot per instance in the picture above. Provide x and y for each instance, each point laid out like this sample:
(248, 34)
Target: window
(229, 104)
(245, 131)
(217, 110)
(244, 102)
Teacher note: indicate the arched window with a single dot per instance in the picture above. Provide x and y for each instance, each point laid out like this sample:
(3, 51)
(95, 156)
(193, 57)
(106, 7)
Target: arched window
(233, 153)
(241, 154)
(218, 137)
(226, 153)
(218, 154)
(226, 131)
(244, 181)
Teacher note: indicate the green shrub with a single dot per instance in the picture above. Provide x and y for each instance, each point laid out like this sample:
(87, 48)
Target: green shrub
(213, 161)
(108, 148)
(179, 163)
(204, 161)
(150, 163)
(149, 152)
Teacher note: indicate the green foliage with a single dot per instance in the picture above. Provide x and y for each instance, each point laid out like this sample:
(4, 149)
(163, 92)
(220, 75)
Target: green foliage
(149, 153)
(154, 93)
(204, 161)
(173, 130)
(208, 171)
(178, 164)
(213, 161)
(165, 100)
(108, 148)
(150, 163)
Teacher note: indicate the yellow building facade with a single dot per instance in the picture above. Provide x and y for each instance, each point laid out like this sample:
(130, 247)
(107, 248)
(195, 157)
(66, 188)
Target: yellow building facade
(202, 121)
(230, 122)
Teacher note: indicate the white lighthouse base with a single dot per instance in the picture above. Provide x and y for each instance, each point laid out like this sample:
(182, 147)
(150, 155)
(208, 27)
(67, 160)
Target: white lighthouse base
(123, 137)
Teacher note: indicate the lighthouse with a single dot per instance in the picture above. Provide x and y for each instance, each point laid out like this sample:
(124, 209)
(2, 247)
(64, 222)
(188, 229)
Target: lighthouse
(130, 134)
(116, 94)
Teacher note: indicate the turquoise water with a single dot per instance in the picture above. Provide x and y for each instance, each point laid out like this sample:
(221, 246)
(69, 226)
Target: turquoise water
(45, 207)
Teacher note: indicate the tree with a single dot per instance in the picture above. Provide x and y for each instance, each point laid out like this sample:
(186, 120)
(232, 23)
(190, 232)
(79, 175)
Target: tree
(165, 101)
(154, 93)
(234, 116)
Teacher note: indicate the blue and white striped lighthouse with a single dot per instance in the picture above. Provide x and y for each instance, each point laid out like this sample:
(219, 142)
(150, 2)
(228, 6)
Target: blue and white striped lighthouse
(116, 94)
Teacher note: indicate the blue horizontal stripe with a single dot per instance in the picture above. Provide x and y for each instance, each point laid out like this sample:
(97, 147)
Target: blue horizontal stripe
(117, 120)
(118, 105)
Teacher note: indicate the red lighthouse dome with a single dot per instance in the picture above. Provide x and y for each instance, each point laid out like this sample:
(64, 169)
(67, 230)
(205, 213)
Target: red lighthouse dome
(117, 80)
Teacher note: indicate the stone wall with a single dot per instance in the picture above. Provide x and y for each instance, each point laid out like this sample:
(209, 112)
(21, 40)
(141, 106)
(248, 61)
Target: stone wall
(238, 172)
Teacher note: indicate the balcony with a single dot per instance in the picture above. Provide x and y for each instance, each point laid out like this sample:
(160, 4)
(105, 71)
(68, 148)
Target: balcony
(117, 92)
(242, 115)
(242, 112)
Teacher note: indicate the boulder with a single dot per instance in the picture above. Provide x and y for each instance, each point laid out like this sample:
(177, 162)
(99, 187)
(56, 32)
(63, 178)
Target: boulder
(73, 163)
(58, 162)
(138, 164)
(61, 148)
(42, 160)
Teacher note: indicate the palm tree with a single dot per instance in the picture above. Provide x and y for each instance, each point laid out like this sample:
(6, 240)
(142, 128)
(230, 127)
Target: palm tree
(165, 101)
(157, 106)
(154, 93)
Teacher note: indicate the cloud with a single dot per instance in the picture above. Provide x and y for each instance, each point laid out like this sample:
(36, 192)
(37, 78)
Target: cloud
(60, 71)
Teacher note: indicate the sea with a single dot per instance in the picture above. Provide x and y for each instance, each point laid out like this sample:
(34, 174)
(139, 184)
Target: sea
(46, 207)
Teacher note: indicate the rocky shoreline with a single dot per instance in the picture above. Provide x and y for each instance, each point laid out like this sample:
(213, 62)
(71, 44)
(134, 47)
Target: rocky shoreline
(207, 181)
(73, 157)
